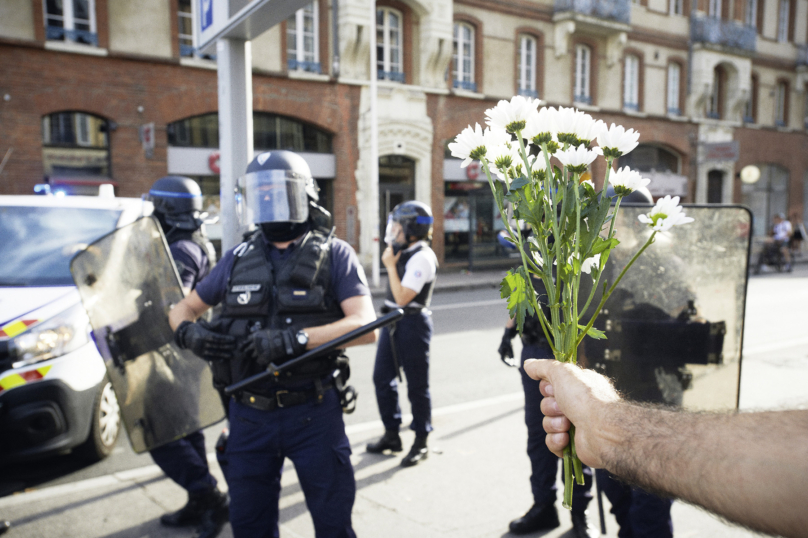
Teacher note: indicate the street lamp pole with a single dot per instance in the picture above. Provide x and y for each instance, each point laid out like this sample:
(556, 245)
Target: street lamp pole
(374, 149)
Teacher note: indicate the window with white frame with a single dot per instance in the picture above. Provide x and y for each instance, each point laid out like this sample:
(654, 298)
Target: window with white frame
(185, 27)
(714, 9)
(527, 66)
(302, 40)
(677, 7)
(750, 17)
(71, 20)
(782, 22)
(463, 57)
(583, 70)
(781, 104)
(631, 83)
(674, 82)
(389, 53)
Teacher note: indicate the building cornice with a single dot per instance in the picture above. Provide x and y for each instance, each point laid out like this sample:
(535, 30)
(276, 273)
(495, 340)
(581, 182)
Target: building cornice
(519, 8)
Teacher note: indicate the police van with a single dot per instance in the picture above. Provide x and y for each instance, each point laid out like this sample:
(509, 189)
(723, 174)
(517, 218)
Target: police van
(55, 395)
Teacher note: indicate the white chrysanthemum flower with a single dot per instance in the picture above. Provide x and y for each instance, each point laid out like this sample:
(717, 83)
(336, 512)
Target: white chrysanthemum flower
(587, 129)
(666, 214)
(616, 141)
(576, 159)
(512, 115)
(588, 182)
(471, 144)
(541, 122)
(566, 119)
(503, 157)
(589, 263)
(625, 181)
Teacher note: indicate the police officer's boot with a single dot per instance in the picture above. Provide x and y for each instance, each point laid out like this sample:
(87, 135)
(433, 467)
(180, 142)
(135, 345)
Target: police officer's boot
(389, 441)
(192, 513)
(4, 526)
(418, 452)
(214, 518)
(539, 517)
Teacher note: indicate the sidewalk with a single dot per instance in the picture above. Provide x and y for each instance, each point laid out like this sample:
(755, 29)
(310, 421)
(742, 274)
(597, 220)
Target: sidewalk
(455, 280)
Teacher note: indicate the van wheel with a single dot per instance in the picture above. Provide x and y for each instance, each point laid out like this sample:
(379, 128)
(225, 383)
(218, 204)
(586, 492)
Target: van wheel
(105, 427)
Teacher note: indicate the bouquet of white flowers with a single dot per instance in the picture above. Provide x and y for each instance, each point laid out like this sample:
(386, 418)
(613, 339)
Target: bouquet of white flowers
(572, 223)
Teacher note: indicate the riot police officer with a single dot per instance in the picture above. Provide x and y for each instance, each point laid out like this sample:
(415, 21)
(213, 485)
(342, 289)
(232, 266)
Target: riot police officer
(177, 205)
(289, 287)
(544, 464)
(411, 269)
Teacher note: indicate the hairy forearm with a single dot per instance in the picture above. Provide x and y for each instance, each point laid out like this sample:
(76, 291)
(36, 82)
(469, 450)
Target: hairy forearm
(751, 468)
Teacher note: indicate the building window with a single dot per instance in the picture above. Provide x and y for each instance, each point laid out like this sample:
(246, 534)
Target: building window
(716, 101)
(75, 144)
(647, 158)
(805, 114)
(389, 53)
(677, 7)
(463, 57)
(714, 9)
(527, 66)
(750, 111)
(270, 131)
(185, 28)
(631, 83)
(302, 40)
(781, 104)
(674, 86)
(71, 20)
(750, 16)
(583, 69)
(782, 21)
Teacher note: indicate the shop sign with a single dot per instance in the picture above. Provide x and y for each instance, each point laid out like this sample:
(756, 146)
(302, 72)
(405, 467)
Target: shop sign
(722, 151)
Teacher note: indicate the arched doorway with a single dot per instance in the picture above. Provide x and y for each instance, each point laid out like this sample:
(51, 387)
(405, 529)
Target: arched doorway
(396, 185)
(715, 186)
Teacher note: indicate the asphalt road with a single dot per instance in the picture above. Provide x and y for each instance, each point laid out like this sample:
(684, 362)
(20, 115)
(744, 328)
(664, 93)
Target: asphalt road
(468, 326)
(465, 323)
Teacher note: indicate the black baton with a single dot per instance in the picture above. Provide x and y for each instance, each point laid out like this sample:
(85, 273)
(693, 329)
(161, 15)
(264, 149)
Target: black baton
(600, 504)
(392, 333)
(275, 371)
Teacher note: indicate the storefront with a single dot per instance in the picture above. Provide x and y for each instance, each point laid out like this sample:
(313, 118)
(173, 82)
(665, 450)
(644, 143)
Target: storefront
(471, 219)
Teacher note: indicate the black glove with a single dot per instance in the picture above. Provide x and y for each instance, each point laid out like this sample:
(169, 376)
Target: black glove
(272, 346)
(204, 342)
(506, 349)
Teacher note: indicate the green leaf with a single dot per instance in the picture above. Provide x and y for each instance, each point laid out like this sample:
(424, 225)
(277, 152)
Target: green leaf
(593, 332)
(601, 245)
(515, 288)
(519, 182)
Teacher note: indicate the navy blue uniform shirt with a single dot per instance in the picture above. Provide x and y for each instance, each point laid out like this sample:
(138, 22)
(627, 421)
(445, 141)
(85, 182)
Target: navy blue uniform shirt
(347, 276)
(191, 261)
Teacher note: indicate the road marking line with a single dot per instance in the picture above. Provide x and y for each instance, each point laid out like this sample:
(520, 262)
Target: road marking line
(141, 473)
(774, 346)
(491, 302)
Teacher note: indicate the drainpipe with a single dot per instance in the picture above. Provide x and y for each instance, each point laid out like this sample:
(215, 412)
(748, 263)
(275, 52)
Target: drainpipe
(335, 32)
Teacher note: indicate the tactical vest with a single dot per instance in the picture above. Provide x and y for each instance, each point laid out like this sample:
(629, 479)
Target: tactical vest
(201, 240)
(424, 296)
(294, 293)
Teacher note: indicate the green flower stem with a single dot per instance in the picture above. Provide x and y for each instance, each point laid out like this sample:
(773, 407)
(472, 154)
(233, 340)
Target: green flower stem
(567, 503)
(616, 282)
(577, 466)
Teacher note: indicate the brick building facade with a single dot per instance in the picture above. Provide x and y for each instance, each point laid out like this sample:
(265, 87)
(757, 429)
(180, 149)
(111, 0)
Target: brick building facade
(690, 77)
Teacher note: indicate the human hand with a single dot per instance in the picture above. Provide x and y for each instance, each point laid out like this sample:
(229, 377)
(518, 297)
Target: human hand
(576, 396)
(389, 258)
(272, 345)
(506, 349)
(203, 342)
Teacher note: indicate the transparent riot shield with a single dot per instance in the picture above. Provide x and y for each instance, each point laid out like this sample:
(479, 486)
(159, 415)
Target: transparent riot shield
(674, 324)
(128, 284)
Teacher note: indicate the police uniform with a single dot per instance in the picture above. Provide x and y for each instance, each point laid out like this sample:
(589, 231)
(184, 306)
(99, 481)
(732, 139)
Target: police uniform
(300, 416)
(412, 336)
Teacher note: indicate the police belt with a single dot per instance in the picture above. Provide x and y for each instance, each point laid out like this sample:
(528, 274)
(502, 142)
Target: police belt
(282, 398)
(408, 310)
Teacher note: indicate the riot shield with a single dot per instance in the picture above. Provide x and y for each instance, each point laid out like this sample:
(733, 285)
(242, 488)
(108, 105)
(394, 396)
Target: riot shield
(128, 284)
(674, 324)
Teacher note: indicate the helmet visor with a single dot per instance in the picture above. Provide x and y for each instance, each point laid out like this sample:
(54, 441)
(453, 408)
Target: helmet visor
(392, 231)
(272, 196)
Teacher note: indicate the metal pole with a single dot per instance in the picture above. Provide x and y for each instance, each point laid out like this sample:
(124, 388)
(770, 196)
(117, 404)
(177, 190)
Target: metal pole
(234, 63)
(374, 149)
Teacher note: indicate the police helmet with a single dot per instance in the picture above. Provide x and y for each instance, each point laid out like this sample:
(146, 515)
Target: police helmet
(639, 196)
(276, 188)
(177, 202)
(415, 219)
